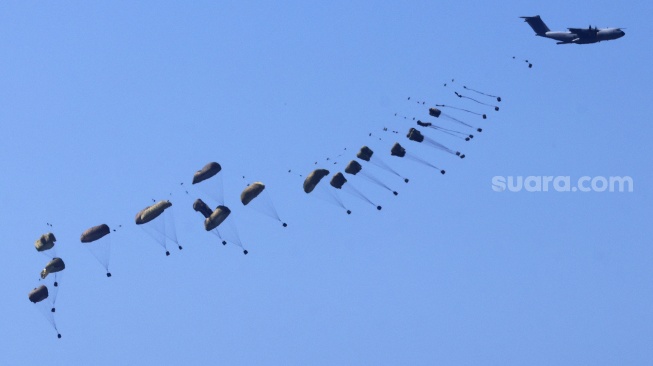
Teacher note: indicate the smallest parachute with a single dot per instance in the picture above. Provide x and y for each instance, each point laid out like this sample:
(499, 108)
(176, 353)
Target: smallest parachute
(45, 242)
(53, 266)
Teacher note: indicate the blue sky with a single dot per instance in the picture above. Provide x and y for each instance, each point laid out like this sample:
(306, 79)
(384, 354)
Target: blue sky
(107, 106)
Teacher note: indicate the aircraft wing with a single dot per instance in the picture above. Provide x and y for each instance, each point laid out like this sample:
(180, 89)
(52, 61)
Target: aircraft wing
(584, 31)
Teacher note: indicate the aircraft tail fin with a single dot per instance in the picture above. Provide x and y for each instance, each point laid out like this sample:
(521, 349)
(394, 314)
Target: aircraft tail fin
(537, 24)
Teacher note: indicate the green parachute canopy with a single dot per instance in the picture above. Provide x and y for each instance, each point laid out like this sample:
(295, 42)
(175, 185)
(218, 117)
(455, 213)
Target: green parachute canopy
(45, 242)
(251, 192)
(398, 150)
(207, 172)
(202, 208)
(217, 217)
(313, 179)
(152, 212)
(338, 180)
(53, 266)
(353, 167)
(365, 153)
(38, 294)
(95, 233)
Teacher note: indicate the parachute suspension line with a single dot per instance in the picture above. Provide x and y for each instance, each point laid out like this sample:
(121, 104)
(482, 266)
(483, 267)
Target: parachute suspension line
(327, 194)
(422, 161)
(480, 92)
(216, 232)
(352, 190)
(232, 235)
(101, 250)
(267, 202)
(156, 234)
(382, 164)
(377, 181)
(334, 194)
(496, 108)
(439, 146)
(454, 133)
(170, 218)
(462, 109)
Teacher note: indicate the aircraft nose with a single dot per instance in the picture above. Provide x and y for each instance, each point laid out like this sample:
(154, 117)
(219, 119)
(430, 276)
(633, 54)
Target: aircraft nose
(621, 33)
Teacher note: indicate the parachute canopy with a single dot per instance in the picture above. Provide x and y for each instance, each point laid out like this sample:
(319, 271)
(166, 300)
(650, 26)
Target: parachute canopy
(152, 212)
(207, 172)
(216, 218)
(365, 153)
(251, 192)
(398, 150)
(338, 180)
(95, 233)
(415, 135)
(45, 242)
(313, 179)
(435, 112)
(55, 265)
(38, 294)
(353, 167)
(202, 208)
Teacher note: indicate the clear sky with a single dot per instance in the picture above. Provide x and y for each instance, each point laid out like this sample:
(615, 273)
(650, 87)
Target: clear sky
(108, 105)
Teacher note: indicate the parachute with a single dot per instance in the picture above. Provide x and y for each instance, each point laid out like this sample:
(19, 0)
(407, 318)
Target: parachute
(38, 296)
(217, 217)
(462, 109)
(100, 244)
(263, 204)
(415, 135)
(355, 168)
(313, 179)
(311, 182)
(45, 242)
(212, 187)
(208, 171)
(252, 191)
(53, 266)
(399, 151)
(151, 212)
(454, 133)
(202, 208)
(437, 113)
(366, 154)
(496, 108)
(160, 229)
(480, 92)
(338, 181)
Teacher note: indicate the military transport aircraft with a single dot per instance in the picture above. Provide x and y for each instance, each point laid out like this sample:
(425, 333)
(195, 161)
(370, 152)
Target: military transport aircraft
(574, 35)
